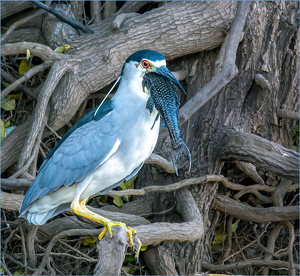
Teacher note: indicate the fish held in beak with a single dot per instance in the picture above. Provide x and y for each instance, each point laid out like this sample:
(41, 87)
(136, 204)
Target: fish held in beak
(163, 96)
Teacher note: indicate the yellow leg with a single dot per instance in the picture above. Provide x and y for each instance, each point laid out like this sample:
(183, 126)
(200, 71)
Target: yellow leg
(79, 208)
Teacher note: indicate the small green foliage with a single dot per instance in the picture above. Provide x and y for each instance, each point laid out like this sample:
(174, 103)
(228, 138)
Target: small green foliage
(118, 201)
(221, 234)
(8, 104)
(2, 130)
(89, 241)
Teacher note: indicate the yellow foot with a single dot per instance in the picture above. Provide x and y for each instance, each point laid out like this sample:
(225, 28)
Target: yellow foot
(109, 224)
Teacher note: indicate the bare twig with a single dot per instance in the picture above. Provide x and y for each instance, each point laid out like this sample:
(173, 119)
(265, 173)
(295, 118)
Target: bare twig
(33, 71)
(5, 268)
(265, 249)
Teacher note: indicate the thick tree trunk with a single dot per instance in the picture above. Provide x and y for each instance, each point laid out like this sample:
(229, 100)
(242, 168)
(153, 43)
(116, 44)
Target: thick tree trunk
(270, 48)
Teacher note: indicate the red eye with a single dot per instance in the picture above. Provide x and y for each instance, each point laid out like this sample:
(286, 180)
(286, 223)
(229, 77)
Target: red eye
(145, 63)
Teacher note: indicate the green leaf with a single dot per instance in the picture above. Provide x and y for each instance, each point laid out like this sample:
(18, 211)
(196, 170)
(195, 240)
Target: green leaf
(7, 124)
(235, 225)
(129, 258)
(2, 130)
(295, 148)
(62, 49)
(220, 234)
(118, 201)
(8, 104)
(24, 66)
(5, 84)
(27, 55)
(143, 248)
(89, 241)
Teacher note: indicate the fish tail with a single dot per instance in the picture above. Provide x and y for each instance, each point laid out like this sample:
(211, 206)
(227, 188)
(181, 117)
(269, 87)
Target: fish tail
(178, 152)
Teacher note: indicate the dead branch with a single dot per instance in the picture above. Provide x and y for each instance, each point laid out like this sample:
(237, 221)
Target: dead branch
(265, 249)
(228, 70)
(30, 92)
(15, 184)
(249, 213)
(54, 76)
(121, 18)
(7, 9)
(282, 113)
(36, 49)
(11, 202)
(277, 263)
(160, 161)
(33, 71)
(261, 152)
(23, 21)
(271, 246)
(148, 234)
(111, 252)
(250, 170)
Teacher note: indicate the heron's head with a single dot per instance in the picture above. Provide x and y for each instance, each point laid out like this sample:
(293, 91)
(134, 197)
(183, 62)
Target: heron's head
(147, 61)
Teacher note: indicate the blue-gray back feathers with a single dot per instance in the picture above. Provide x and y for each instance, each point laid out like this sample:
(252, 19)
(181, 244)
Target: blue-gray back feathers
(76, 155)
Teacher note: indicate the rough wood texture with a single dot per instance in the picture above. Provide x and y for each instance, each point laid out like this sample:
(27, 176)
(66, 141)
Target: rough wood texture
(111, 252)
(266, 154)
(242, 104)
(247, 212)
(9, 8)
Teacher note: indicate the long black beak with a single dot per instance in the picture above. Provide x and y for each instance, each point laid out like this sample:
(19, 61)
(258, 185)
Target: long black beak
(164, 71)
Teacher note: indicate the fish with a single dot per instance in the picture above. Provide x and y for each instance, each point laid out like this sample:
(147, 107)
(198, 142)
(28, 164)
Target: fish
(163, 96)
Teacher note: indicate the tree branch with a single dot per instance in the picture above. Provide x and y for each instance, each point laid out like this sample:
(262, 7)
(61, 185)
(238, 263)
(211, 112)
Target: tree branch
(277, 263)
(228, 70)
(282, 113)
(33, 71)
(36, 49)
(249, 213)
(261, 152)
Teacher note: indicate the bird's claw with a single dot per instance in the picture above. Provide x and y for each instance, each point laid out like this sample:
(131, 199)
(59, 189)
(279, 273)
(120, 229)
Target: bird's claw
(129, 230)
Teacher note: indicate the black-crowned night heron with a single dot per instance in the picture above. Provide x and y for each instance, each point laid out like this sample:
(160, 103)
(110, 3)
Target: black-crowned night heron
(107, 146)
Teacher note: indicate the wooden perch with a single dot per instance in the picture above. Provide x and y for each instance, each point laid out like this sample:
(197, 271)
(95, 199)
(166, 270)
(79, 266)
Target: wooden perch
(261, 152)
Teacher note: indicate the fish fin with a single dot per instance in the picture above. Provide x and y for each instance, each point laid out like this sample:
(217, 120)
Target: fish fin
(150, 105)
(183, 150)
(156, 118)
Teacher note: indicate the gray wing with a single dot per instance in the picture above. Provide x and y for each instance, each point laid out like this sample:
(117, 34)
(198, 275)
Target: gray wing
(84, 150)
